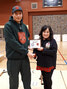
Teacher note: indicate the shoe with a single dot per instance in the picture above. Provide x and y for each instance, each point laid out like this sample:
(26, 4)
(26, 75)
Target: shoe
(42, 83)
(40, 78)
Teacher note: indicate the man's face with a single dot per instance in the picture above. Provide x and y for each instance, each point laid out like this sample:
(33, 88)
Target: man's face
(17, 16)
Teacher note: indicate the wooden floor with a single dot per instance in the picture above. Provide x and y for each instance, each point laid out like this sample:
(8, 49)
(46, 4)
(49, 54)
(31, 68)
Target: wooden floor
(59, 76)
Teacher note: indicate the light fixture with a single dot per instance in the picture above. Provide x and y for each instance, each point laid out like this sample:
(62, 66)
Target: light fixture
(18, 0)
(51, 0)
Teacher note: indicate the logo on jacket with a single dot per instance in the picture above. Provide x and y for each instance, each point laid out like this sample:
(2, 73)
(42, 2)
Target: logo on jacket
(22, 37)
(47, 45)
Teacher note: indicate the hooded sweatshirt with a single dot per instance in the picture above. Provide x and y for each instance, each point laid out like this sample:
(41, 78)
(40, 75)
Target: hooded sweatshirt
(16, 37)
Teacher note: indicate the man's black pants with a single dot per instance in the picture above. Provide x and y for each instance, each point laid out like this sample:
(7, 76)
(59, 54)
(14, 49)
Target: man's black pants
(14, 67)
(47, 79)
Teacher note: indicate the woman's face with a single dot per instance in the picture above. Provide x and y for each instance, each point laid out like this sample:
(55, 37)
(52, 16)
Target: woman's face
(46, 33)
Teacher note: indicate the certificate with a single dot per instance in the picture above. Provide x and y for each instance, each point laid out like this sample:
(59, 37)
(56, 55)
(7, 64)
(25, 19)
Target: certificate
(35, 43)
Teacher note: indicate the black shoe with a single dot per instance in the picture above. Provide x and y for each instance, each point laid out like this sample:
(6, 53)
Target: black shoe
(40, 78)
(42, 83)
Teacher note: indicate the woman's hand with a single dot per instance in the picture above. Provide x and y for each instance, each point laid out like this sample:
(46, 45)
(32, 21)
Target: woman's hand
(30, 48)
(40, 49)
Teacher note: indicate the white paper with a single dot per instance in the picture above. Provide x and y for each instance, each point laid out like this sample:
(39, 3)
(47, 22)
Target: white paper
(35, 43)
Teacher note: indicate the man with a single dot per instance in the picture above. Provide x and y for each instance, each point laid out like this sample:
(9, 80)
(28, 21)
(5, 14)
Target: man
(16, 37)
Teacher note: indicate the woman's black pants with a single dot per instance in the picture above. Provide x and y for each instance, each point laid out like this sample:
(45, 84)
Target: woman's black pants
(47, 79)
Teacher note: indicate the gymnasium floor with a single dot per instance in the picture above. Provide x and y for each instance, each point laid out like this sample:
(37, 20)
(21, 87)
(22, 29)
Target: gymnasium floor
(59, 76)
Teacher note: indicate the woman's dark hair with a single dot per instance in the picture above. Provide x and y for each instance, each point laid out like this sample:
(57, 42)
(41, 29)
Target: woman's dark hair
(43, 29)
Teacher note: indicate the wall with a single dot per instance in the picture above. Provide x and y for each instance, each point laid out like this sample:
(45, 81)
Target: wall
(6, 8)
(28, 13)
(57, 22)
(41, 8)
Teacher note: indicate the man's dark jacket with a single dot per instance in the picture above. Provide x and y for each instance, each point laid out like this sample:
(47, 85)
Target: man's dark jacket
(16, 37)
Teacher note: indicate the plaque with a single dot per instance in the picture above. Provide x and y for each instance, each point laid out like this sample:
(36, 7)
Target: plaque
(35, 43)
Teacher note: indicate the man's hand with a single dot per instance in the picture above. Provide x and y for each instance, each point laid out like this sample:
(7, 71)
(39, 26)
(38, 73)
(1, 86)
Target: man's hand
(30, 55)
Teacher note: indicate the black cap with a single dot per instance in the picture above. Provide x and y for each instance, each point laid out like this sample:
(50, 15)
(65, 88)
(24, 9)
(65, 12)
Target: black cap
(16, 8)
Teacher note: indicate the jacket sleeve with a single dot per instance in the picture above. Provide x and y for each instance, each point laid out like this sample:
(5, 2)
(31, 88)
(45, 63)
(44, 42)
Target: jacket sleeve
(53, 49)
(12, 42)
(35, 51)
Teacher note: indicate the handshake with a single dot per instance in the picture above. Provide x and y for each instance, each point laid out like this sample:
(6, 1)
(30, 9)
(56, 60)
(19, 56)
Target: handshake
(30, 54)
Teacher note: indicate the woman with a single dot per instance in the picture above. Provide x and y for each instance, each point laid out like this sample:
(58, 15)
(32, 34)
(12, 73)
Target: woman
(46, 55)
